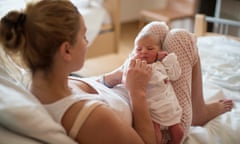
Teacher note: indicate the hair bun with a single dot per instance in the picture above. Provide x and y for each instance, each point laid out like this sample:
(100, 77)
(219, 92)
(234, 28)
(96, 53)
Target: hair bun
(11, 30)
(21, 19)
(11, 23)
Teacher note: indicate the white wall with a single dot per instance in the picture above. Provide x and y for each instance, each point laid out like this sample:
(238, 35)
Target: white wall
(130, 8)
(8, 5)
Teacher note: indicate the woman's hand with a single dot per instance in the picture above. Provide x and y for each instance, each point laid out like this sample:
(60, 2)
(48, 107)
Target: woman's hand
(138, 75)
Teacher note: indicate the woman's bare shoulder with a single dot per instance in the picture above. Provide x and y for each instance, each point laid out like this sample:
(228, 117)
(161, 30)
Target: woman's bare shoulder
(102, 126)
(105, 126)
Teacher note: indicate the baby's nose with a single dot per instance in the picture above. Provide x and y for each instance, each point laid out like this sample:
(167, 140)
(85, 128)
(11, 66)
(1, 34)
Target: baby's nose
(144, 50)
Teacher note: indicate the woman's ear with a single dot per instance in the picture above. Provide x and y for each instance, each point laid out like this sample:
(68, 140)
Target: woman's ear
(65, 51)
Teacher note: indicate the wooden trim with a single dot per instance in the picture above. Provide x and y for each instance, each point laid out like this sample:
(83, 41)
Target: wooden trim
(108, 39)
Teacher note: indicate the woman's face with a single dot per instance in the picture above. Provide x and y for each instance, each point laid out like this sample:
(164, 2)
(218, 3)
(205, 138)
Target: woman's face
(80, 47)
(146, 48)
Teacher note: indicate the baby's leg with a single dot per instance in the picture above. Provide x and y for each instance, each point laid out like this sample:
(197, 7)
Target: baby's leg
(176, 133)
(157, 132)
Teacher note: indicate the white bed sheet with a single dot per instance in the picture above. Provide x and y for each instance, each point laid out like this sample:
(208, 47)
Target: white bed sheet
(220, 57)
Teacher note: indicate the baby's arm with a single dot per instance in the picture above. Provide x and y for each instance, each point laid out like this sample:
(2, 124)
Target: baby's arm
(172, 66)
(113, 78)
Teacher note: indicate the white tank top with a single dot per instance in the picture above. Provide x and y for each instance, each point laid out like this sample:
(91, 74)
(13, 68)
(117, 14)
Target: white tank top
(108, 96)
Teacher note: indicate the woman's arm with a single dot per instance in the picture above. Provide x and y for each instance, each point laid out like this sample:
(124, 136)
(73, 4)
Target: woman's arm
(103, 126)
(138, 76)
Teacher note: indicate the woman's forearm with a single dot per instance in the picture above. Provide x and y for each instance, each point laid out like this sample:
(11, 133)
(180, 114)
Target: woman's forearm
(142, 121)
(137, 78)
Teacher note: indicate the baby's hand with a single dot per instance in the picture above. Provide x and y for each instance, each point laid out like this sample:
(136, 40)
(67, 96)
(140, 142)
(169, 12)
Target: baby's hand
(162, 55)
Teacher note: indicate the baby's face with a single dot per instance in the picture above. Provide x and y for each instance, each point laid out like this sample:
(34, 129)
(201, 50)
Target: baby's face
(146, 48)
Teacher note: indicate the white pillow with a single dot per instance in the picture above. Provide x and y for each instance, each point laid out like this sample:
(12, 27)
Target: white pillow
(81, 3)
(87, 3)
(7, 5)
(21, 112)
(7, 136)
(96, 3)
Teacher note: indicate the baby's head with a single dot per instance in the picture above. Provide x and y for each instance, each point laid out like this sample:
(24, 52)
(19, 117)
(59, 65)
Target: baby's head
(149, 41)
(156, 29)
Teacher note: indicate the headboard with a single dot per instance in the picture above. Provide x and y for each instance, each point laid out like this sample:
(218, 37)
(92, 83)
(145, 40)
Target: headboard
(108, 39)
(201, 20)
(113, 6)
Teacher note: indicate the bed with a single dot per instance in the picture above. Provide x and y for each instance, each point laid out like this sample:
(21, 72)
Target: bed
(220, 57)
(102, 19)
(20, 111)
